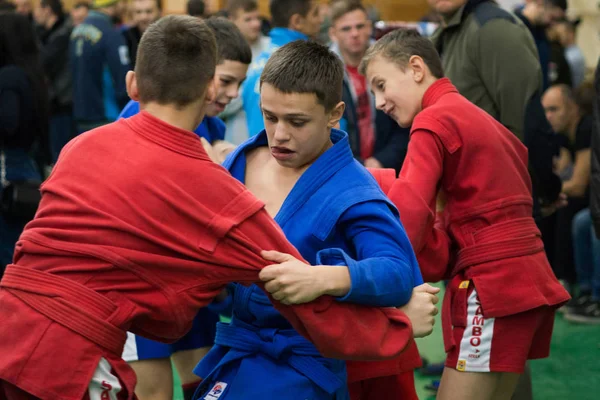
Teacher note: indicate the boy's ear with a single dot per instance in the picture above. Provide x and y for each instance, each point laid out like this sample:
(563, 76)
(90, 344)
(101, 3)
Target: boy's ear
(332, 34)
(418, 67)
(336, 114)
(296, 22)
(131, 86)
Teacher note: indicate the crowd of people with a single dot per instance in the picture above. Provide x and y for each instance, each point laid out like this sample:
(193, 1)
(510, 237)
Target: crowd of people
(469, 155)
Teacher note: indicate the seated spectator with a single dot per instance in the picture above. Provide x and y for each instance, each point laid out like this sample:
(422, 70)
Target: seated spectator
(585, 308)
(595, 181)
(569, 114)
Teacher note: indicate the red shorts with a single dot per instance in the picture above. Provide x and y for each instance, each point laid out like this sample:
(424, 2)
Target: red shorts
(394, 387)
(104, 385)
(478, 344)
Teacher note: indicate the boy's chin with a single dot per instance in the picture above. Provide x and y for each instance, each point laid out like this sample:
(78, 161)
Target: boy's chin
(211, 112)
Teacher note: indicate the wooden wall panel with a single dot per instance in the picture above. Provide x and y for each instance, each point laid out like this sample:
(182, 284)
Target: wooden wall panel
(391, 10)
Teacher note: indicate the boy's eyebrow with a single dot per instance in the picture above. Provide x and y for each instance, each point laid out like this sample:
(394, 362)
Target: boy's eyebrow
(292, 115)
(297, 115)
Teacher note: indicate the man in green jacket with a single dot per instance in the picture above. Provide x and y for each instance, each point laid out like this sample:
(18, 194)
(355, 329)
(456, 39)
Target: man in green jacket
(490, 56)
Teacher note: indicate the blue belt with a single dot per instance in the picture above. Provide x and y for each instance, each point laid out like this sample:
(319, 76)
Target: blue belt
(285, 345)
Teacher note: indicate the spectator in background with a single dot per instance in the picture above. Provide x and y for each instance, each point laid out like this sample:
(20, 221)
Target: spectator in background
(79, 12)
(55, 31)
(143, 13)
(6, 6)
(99, 62)
(292, 20)
(23, 117)
(555, 9)
(569, 113)
(121, 16)
(566, 35)
(245, 15)
(537, 15)
(595, 181)
(585, 308)
(196, 8)
(487, 74)
(376, 139)
(25, 8)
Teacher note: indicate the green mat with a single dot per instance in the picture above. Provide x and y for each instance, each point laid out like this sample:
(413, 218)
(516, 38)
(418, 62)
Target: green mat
(571, 372)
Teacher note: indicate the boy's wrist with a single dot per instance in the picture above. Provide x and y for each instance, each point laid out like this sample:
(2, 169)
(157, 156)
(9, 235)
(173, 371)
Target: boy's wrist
(334, 280)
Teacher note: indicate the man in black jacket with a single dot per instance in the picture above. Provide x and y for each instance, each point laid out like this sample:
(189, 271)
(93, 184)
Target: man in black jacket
(376, 140)
(54, 32)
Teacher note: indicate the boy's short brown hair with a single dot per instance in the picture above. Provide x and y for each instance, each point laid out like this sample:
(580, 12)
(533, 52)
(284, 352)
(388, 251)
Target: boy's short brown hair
(282, 11)
(339, 8)
(231, 44)
(176, 60)
(196, 8)
(234, 6)
(306, 67)
(399, 46)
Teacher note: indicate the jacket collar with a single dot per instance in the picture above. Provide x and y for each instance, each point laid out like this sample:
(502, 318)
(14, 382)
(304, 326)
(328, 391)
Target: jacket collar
(283, 36)
(436, 91)
(165, 135)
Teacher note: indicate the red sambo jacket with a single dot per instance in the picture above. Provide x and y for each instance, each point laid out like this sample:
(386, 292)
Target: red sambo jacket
(137, 229)
(486, 231)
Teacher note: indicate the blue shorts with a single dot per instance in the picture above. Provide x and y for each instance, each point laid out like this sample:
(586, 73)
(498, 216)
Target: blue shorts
(201, 335)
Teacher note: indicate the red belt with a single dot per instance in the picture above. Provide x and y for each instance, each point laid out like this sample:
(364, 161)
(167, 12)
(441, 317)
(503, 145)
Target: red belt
(68, 303)
(514, 238)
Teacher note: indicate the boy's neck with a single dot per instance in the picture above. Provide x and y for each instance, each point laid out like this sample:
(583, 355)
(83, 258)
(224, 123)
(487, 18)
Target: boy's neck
(187, 118)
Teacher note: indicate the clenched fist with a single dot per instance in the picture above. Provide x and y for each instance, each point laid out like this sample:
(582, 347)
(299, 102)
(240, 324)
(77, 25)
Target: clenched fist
(421, 309)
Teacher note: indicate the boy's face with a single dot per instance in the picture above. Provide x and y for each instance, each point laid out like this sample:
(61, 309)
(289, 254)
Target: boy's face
(310, 25)
(352, 32)
(229, 75)
(144, 13)
(298, 127)
(397, 92)
(248, 22)
(78, 15)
